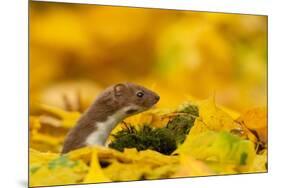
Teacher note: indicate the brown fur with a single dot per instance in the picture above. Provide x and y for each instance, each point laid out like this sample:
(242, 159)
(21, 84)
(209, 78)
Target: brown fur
(105, 105)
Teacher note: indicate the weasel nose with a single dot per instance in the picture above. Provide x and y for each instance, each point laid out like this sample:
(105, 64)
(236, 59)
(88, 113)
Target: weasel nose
(157, 97)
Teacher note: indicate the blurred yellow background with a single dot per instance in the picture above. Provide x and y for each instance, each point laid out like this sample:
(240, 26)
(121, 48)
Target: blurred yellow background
(78, 50)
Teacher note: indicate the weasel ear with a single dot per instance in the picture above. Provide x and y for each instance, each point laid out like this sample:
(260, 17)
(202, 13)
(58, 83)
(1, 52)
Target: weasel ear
(119, 89)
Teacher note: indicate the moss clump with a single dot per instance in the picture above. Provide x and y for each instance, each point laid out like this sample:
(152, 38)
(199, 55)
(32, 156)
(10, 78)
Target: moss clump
(158, 139)
(181, 124)
(163, 140)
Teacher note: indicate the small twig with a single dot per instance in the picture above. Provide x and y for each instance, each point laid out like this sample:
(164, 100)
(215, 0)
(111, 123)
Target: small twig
(126, 125)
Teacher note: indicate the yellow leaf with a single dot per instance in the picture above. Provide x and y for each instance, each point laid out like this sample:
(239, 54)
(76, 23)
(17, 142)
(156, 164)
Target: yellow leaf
(109, 154)
(221, 147)
(151, 117)
(36, 157)
(68, 119)
(260, 163)
(151, 157)
(126, 171)
(164, 171)
(84, 154)
(59, 171)
(189, 167)
(232, 113)
(95, 173)
(34, 123)
(52, 140)
(212, 118)
(222, 168)
(256, 120)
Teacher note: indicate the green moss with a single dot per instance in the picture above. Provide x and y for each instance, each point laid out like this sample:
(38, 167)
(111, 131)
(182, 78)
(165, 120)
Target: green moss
(190, 109)
(160, 139)
(181, 124)
(163, 140)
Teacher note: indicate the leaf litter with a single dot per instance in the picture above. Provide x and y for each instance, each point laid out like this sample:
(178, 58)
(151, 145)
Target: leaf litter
(196, 139)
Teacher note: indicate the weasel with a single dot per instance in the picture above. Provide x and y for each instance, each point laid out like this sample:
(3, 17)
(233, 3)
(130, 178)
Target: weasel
(113, 105)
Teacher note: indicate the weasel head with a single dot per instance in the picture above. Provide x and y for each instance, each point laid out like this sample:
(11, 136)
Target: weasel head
(134, 98)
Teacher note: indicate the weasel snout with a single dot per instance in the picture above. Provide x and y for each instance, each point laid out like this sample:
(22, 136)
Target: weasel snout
(156, 98)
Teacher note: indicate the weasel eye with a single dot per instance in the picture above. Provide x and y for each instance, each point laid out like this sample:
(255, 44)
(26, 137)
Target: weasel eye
(140, 94)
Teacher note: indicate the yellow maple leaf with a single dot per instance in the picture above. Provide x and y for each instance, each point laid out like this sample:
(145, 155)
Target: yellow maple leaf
(216, 118)
(212, 118)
